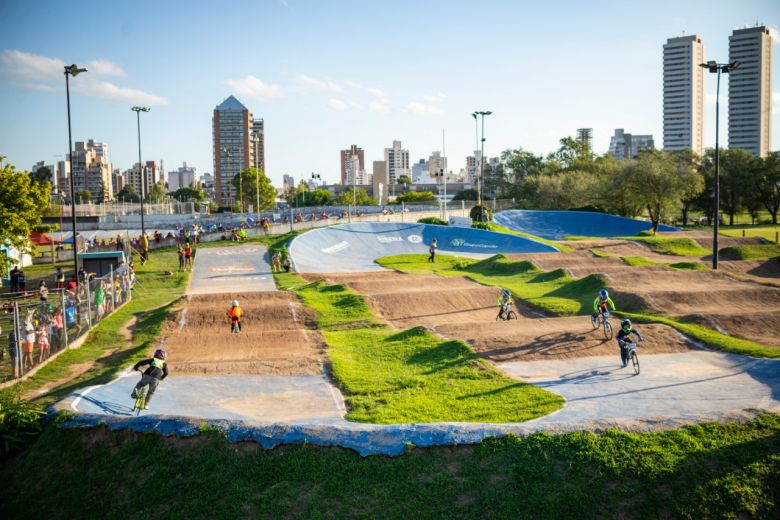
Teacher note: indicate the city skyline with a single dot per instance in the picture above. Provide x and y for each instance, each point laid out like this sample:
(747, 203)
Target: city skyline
(315, 102)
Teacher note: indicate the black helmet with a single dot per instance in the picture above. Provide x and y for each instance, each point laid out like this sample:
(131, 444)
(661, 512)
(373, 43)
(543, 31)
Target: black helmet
(625, 324)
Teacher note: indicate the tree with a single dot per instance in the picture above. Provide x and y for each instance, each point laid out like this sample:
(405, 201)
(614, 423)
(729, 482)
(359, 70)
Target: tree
(189, 193)
(361, 198)
(573, 154)
(404, 179)
(249, 180)
(22, 204)
(128, 194)
(42, 175)
(660, 183)
(465, 195)
(688, 158)
(101, 197)
(156, 193)
(416, 197)
(737, 168)
(83, 196)
(766, 180)
(304, 198)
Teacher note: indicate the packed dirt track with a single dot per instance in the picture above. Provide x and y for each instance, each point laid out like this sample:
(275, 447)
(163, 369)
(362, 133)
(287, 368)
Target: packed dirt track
(459, 308)
(274, 340)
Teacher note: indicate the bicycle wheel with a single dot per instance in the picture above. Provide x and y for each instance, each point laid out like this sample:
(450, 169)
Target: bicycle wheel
(594, 320)
(511, 315)
(607, 330)
(635, 362)
(140, 401)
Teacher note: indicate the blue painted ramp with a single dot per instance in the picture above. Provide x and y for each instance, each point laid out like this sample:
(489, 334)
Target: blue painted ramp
(354, 247)
(554, 225)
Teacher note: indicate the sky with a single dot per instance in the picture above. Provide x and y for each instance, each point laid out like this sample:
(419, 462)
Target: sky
(325, 75)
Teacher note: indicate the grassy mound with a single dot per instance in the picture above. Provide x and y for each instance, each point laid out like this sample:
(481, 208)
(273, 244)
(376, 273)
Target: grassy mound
(688, 266)
(751, 252)
(680, 246)
(598, 253)
(412, 376)
(703, 471)
(492, 226)
(638, 261)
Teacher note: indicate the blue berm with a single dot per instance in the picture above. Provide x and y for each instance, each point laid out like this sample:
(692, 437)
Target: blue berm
(555, 225)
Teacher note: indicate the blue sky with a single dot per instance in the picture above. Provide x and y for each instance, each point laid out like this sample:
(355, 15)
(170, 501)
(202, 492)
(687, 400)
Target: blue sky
(325, 75)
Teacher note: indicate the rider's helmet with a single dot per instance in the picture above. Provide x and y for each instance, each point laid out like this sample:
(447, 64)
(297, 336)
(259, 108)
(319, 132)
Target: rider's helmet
(505, 293)
(603, 293)
(234, 303)
(160, 354)
(626, 325)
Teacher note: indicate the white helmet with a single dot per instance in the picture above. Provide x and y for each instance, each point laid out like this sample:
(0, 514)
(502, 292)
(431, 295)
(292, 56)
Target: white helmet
(234, 303)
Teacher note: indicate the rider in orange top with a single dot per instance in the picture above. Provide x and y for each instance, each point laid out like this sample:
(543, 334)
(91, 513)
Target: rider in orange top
(235, 313)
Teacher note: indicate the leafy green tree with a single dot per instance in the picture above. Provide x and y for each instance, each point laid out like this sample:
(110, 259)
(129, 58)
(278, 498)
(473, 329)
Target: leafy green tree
(404, 179)
(660, 183)
(83, 196)
(563, 190)
(250, 180)
(188, 193)
(306, 198)
(572, 155)
(22, 204)
(766, 180)
(361, 198)
(128, 194)
(737, 169)
(42, 175)
(156, 193)
(687, 158)
(416, 197)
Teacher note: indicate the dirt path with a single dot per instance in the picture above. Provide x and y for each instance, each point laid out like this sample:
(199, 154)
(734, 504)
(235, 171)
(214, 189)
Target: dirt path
(459, 308)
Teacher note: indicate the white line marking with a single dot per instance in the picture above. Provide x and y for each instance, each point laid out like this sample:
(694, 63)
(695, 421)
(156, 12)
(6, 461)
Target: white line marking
(74, 405)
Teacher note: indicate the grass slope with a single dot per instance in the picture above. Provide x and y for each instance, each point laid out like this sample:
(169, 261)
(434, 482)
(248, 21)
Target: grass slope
(767, 232)
(501, 229)
(704, 471)
(392, 376)
(680, 246)
(751, 252)
(641, 261)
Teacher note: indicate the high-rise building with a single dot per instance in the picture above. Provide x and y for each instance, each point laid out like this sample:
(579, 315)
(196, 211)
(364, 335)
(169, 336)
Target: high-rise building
(684, 94)
(289, 183)
(624, 146)
(472, 166)
(91, 171)
(258, 144)
(397, 161)
(750, 90)
(355, 173)
(585, 135)
(133, 177)
(346, 158)
(117, 180)
(436, 165)
(182, 178)
(420, 172)
(233, 147)
(380, 182)
(62, 174)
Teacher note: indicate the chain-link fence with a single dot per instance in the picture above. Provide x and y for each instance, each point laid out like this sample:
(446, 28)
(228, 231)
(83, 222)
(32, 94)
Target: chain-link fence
(35, 325)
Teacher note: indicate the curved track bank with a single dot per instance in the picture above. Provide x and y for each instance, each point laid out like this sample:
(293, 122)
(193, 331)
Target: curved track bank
(354, 247)
(555, 225)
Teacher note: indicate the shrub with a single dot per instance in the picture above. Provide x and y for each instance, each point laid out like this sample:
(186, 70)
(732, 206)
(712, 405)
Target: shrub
(20, 423)
(476, 211)
(416, 196)
(432, 220)
(481, 225)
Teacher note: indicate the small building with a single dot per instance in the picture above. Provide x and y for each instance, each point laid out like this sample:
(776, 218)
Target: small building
(101, 263)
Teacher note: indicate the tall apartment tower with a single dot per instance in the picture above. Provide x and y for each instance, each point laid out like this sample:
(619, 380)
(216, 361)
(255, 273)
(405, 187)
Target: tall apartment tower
(397, 163)
(91, 171)
(234, 149)
(750, 90)
(586, 136)
(346, 162)
(684, 94)
(258, 144)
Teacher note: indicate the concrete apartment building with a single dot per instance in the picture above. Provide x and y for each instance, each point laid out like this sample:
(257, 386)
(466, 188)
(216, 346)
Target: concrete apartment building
(288, 183)
(750, 90)
(472, 166)
(684, 94)
(183, 177)
(437, 164)
(91, 171)
(625, 146)
(420, 172)
(346, 162)
(258, 144)
(133, 177)
(585, 135)
(397, 161)
(234, 150)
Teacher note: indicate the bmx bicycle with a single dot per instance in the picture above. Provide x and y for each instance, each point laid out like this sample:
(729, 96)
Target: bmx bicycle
(631, 355)
(140, 400)
(507, 315)
(235, 327)
(602, 320)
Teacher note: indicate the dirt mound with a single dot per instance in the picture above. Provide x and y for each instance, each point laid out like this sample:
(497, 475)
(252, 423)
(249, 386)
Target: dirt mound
(467, 311)
(275, 337)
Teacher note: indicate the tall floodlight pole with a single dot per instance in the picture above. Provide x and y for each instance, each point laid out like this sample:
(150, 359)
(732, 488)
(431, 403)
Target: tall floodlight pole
(72, 70)
(716, 68)
(476, 166)
(256, 139)
(482, 113)
(144, 188)
(227, 153)
(444, 156)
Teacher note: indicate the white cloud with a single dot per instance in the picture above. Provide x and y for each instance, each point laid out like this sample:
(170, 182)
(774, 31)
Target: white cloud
(375, 92)
(254, 87)
(416, 107)
(106, 90)
(24, 65)
(41, 87)
(380, 105)
(308, 81)
(105, 68)
(775, 102)
(438, 98)
(337, 104)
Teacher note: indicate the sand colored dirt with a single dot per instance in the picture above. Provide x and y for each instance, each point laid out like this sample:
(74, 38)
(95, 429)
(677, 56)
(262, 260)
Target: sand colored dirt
(461, 309)
(275, 337)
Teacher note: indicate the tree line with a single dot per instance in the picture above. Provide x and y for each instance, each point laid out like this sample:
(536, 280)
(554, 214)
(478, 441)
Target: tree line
(663, 185)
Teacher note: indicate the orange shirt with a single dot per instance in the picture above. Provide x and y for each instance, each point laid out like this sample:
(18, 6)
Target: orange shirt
(235, 312)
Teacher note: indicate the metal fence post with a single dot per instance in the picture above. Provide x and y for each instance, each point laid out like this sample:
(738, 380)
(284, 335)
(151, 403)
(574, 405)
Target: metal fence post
(113, 294)
(64, 338)
(89, 305)
(18, 365)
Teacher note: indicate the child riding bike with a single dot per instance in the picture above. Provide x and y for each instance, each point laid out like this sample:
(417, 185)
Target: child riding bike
(600, 303)
(504, 304)
(235, 313)
(157, 371)
(623, 339)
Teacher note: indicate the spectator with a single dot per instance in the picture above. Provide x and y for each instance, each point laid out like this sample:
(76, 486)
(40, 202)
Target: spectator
(43, 343)
(287, 264)
(15, 279)
(100, 301)
(432, 250)
(43, 292)
(187, 256)
(276, 263)
(180, 252)
(57, 325)
(59, 279)
(144, 249)
(27, 345)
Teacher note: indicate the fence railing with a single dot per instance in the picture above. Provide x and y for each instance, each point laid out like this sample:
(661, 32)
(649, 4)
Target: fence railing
(37, 325)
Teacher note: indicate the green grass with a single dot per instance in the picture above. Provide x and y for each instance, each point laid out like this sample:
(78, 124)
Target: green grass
(688, 266)
(680, 246)
(601, 254)
(710, 337)
(703, 471)
(577, 238)
(751, 252)
(501, 229)
(151, 301)
(639, 261)
(643, 261)
(391, 376)
(767, 232)
(552, 291)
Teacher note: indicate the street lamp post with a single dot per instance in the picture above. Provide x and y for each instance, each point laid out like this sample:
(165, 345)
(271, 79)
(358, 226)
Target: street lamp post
(72, 70)
(716, 68)
(255, 140)
(481, 113)
(144, 188)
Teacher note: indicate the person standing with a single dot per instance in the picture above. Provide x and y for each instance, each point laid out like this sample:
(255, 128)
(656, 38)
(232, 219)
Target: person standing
(15, 279)
(144, 249)
(43, 343)
(180, 252)
(188, 256)
(57, 324)
(43, 293)
(59, 279)
(27, 346)
(432, 250)
(276, 263)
